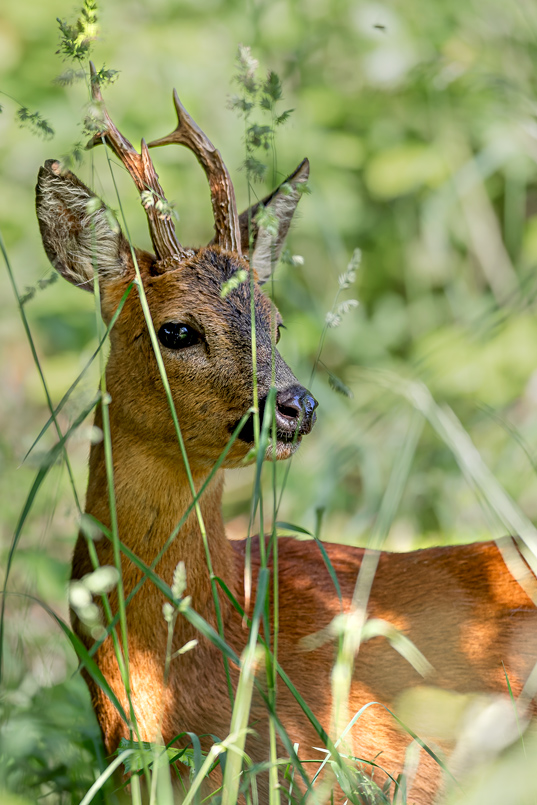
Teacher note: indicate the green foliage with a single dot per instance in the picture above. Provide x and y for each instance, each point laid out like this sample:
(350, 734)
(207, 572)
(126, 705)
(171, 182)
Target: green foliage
(69, 77)
(104, 77)
(76, 38)
(255, 94)
(338, 385)
(233, 282)
(267, 219)
(31, 291)
(48, 739)
(143, 755)
(74, 156)
(35, 122)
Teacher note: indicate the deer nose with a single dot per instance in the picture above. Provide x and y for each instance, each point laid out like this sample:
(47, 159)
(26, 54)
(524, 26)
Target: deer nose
(295, 407)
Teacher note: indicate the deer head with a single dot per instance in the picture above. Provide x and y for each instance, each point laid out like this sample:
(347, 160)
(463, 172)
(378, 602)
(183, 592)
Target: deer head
(204, 337)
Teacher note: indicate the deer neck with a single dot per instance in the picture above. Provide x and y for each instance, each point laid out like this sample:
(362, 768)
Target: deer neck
(152, 494)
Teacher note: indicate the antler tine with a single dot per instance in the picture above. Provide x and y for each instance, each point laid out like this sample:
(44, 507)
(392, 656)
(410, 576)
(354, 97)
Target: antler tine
(226, 219)
(145, 177)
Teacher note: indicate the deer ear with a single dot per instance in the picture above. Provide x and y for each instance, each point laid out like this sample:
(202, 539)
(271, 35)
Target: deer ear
(281, 205)
(77, 229)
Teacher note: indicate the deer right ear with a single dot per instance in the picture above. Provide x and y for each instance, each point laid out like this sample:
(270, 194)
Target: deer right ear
(77, 231)
(282, 203)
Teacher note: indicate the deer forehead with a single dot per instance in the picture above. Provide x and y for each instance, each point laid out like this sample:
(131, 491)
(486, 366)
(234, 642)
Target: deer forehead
(194, 290)
(192, 294)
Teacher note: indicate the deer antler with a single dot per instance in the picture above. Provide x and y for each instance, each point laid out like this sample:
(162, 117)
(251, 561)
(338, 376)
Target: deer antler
(226, 219)
(142, 170)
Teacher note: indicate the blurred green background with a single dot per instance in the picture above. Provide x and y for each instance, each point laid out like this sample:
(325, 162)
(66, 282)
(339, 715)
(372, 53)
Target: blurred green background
(419, 120)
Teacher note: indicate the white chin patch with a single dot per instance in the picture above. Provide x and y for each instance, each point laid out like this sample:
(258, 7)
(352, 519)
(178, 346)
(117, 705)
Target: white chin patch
(283, 450)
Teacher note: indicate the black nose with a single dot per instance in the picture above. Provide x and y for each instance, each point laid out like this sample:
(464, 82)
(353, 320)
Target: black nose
(295, 408)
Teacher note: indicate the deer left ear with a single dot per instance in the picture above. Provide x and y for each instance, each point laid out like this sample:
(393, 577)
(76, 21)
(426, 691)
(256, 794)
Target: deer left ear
(78, 235)
(263, 242)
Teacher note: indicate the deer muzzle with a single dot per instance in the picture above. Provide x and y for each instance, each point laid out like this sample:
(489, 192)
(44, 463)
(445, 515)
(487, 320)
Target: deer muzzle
(294, 413)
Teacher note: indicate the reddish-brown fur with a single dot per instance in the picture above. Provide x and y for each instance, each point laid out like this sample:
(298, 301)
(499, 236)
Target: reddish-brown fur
(460, 605)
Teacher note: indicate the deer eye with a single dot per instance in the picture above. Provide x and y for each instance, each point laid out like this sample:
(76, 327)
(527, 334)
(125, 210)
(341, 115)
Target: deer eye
(175, 335)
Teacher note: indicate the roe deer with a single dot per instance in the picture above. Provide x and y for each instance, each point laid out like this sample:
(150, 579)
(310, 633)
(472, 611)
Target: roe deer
(460, 606)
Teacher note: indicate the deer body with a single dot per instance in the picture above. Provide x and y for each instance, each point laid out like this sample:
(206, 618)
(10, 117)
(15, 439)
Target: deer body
(479, 618)
(461, 606)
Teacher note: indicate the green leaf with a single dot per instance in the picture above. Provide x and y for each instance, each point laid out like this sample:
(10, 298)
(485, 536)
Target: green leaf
(283, 117)
(104, 77)
(272, 87)
(291, 527)
(339, 386)
(35, 122)
(69, 77)
(267, 219)
(259, 136)
(255, 169)
(233, 282)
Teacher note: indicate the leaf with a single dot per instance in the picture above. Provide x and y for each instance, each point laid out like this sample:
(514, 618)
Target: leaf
(259, 136)
(283, 117)
(69, 77)
(241, 104)
(303, 189)
(46, 281)
(35, 122)
(272, 86)
(73, 157)
(142, 754)
(76, 40)
(233, 282)
(290, 527)
(339, 386)
(104, 77)
(255, 169)
(267, 219)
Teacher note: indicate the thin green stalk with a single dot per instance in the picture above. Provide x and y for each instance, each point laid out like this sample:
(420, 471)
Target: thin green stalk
(106, 774)
(243, 700)
(109, 463)
(274, 785)
(248, 555)
(136, 790)
(121, 652)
